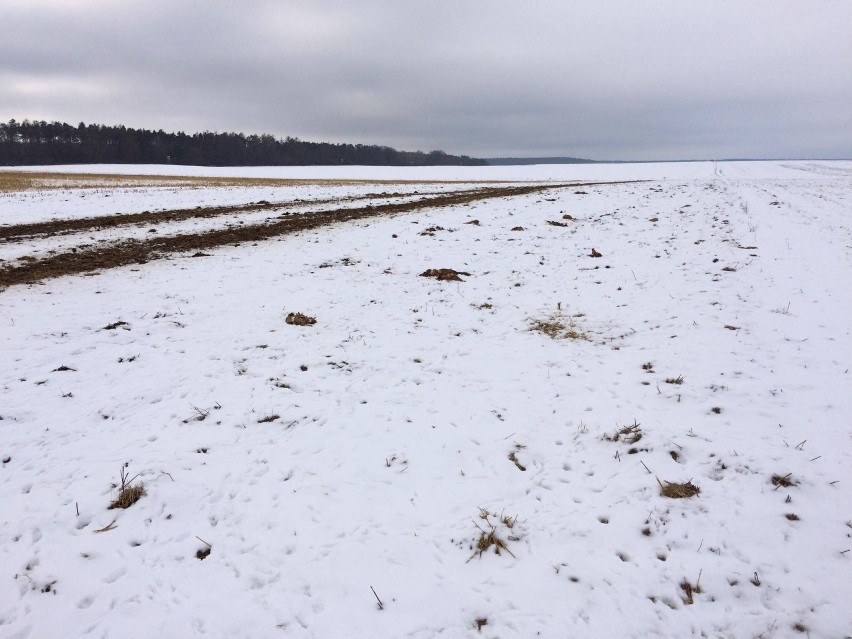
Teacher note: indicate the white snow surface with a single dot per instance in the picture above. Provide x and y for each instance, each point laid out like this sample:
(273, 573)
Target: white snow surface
(320, 463)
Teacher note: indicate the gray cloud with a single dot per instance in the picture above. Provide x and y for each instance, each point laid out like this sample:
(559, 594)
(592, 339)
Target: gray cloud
(606, 79)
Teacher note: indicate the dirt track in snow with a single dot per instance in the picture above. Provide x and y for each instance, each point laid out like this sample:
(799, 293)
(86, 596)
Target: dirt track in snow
(124, 252)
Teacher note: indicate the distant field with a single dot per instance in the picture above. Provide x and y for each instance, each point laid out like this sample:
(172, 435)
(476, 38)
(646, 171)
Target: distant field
(13, 181)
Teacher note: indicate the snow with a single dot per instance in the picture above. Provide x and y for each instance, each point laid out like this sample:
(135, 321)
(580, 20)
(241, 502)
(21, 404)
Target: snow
(396, 413)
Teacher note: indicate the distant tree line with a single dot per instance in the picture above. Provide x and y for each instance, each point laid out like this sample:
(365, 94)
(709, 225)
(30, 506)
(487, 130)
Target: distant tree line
(36, 143)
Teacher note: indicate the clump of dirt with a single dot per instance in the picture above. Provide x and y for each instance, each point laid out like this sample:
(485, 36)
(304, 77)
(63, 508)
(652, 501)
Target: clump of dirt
(474, 222)
(444, 274)
(674, 490)
(567, 217)
(299, 319)
(115, 325)
(517, 228)
(555, 223)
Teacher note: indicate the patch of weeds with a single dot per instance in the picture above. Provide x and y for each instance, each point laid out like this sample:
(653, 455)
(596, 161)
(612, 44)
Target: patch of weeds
(300, 319)
(268, 418)
(474, 222)
(675, 380)
(115, 325)
(484, 306)
(63, 369)
(555, 223)
(674, 490)
(627, 434)
(491, 534)
(648, 366)
(556, 327)
(444, 274)
(481, 621)
(716, 410)
(128, 492)
(792, 516)
(517, 228)
(784, 481)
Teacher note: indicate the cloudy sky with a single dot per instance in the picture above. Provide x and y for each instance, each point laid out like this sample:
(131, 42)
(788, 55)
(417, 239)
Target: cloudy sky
(604, 79)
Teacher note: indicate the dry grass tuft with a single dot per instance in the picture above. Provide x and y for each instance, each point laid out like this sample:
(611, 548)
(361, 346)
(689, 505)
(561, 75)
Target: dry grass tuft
(128, 492)
(627, 434)
(299, 319)
(675, 380)
(556, 327)
(489, 537)
(673, 490)
(784, 481)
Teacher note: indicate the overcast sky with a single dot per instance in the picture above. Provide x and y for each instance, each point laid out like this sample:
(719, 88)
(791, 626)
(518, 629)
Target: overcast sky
(604, 79)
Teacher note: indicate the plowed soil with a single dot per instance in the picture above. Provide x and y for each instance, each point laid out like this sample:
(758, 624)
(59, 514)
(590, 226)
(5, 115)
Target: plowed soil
(126, 252)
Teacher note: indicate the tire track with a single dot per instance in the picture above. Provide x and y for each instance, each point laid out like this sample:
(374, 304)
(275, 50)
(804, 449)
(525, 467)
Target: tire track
(128, 252)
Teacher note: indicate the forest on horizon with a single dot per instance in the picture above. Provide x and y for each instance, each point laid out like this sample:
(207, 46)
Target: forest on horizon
(44, 143)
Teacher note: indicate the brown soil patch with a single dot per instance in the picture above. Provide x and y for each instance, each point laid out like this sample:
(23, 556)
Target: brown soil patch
(299, 319)
(444, 274)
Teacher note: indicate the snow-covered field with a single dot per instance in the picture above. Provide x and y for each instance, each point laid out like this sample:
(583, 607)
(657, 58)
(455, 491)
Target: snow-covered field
(364, 458)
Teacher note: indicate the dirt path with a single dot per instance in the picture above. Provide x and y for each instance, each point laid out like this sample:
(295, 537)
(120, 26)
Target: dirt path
(122, 253)
(18, 232)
